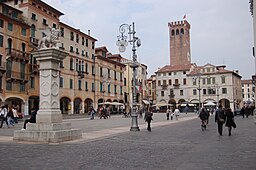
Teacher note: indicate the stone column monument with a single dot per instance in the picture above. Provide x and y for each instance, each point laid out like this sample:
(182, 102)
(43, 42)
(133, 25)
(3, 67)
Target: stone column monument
(49, 126)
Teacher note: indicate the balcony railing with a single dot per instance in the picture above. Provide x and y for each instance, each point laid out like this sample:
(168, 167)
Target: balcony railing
(80, 74)
(34, 41)
(176, 85)
(164, 86)
(16, 76)
(17, 54)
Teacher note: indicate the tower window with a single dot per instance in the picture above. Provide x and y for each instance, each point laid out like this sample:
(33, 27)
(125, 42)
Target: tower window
(173, 32)
(177, 31)
(182, 31)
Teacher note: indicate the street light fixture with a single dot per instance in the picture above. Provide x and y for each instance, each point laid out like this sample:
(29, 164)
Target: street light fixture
(198, 77)
(122, 44)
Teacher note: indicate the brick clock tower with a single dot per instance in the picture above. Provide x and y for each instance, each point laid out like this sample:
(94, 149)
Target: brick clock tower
(179, 33)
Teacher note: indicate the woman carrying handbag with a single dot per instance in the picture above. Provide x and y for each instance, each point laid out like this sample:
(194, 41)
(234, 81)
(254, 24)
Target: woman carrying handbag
(230, 120)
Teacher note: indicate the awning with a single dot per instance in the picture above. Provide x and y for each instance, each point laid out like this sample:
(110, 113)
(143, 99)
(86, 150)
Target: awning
(146, 102)
(190, 104)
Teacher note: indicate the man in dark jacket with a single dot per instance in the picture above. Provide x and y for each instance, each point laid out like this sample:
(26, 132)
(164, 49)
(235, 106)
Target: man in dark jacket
(32, 118)
(220, 119)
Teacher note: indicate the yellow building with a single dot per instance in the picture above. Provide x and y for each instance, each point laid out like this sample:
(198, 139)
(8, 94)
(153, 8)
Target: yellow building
(14, 57)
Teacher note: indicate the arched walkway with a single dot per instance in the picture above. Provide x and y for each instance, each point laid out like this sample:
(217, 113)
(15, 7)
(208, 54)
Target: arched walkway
(65, 106)
(87, 103)
(77, 106)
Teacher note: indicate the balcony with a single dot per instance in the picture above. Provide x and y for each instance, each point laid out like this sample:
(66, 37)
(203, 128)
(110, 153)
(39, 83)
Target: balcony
(33, 41)
(80, 74)
(17, 55)
(176, 85)
(16, 76)
(34, 69)
(2, 67)
(164, 86)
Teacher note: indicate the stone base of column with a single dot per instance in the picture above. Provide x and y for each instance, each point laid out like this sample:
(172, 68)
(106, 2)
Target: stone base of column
(47, 132)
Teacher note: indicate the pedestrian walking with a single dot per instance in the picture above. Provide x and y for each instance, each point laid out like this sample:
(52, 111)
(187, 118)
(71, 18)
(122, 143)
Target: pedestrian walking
(230, 120)
(242, 111)
(167, 114)
(92, 112)
(10, 117)
(220, 119)
(203, 115)
(4, 115)
(15, 114)
(148, 118)
(177, 113)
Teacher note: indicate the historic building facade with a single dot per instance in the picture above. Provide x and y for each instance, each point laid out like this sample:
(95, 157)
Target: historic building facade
(87, 75)
(183, 83)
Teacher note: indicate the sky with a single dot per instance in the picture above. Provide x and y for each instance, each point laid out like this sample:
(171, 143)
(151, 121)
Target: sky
(221, 30)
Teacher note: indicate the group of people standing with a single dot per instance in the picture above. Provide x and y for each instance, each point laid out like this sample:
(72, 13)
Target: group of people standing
(9, 115)
(170, 113)
(222, 116)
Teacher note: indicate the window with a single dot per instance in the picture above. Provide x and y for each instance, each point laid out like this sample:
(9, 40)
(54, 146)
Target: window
(86, 42)
(115, 75)
(121, 77)
(224, 90)
(77, 38)
(208, 80)
(61, 82)
(23, 31)
(1, 23)
(159, 82)
(181, 92)
(82, 40)
(8, 85)
(162, 93)
(79, 85)
(176, 81)
(71, 83)
(61, 31)
(33, 30)
(71, 36)
(115, 89)
(71, 49)
(93, 70)
(213, 80)
(184, 81)
(204, 91)
(54, 25)
(204, 81)
(32, 82)
(33, 17)
(124, 81)
(223, 80)
(86, 86)
(121, 90)
(1, 40)
(93, 88)
(182, 31)
(173, 32)
(101, 72)
(177, 31)
(22, 87)
(45, 22)
(194, 91)
(10, 26)
(109, 88)
(71, 65)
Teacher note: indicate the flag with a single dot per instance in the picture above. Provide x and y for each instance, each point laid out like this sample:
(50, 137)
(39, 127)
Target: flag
(184, 17)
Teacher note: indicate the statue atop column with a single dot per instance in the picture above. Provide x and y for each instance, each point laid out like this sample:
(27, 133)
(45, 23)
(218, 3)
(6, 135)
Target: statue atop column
(51, 39)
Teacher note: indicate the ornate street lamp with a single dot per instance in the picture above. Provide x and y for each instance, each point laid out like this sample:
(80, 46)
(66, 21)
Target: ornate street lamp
(122, 43)
(198, 77)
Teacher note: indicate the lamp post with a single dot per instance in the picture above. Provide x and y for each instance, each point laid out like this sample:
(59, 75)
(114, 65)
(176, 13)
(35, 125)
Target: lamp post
(122, 44)
(198, 77)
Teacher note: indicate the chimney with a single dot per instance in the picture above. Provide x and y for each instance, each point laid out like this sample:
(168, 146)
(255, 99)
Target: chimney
(89, 32)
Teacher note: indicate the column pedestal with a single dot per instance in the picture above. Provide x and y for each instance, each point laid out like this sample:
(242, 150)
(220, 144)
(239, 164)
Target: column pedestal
(49, 127)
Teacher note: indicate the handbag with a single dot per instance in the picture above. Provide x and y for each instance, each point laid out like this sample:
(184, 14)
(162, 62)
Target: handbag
(233, 124)
(221, 120)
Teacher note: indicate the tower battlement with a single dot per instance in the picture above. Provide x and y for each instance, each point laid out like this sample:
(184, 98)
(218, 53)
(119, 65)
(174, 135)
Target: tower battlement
(179, 24)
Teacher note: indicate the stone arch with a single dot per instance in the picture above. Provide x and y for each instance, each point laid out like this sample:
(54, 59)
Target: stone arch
(77, 105)
(225, 103)
(87, 103)
(181, 101)
(182, 31)
(177, 31)
(65, 105)
(16, 101)
(173, 32)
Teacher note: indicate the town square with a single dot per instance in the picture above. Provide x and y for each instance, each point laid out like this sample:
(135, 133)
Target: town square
(127, 85)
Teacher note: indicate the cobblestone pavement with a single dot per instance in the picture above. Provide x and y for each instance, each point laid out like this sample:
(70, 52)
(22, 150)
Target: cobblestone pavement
(179, 145)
